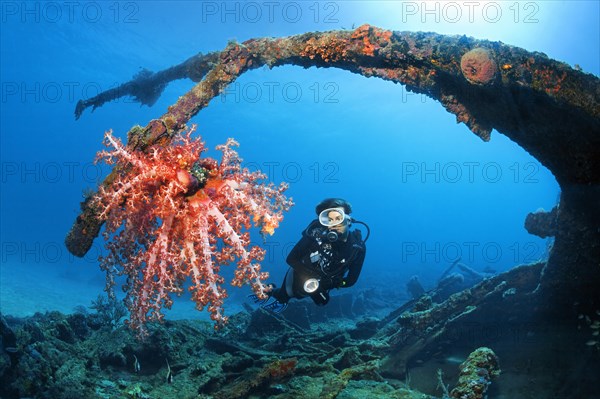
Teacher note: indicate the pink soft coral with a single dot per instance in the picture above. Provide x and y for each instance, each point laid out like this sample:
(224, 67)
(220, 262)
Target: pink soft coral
(171, 215)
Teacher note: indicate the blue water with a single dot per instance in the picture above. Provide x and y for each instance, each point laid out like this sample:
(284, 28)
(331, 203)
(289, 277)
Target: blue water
(429, 189)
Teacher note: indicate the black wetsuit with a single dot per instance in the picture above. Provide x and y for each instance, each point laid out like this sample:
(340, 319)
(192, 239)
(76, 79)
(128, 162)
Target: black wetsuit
(335, 264)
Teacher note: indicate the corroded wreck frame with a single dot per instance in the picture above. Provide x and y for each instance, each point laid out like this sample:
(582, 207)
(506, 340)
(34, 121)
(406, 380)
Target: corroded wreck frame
(547, 107)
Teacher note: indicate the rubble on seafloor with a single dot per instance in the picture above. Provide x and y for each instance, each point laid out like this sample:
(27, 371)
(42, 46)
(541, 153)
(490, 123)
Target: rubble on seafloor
(356, 347)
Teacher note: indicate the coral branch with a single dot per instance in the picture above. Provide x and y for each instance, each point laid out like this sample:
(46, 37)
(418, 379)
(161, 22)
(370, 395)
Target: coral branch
(481, 82)
(146, 87)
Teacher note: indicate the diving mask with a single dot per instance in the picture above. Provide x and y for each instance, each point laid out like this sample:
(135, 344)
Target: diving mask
(332, 217)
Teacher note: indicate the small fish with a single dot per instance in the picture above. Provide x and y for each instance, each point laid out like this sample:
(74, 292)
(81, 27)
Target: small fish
(595, 325)
(454, 360)
(580, 317)
(136, 364)
(591, 342)
(596, 333)
(169, 374)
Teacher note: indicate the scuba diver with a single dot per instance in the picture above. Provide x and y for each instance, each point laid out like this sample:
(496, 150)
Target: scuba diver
(329, 255)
